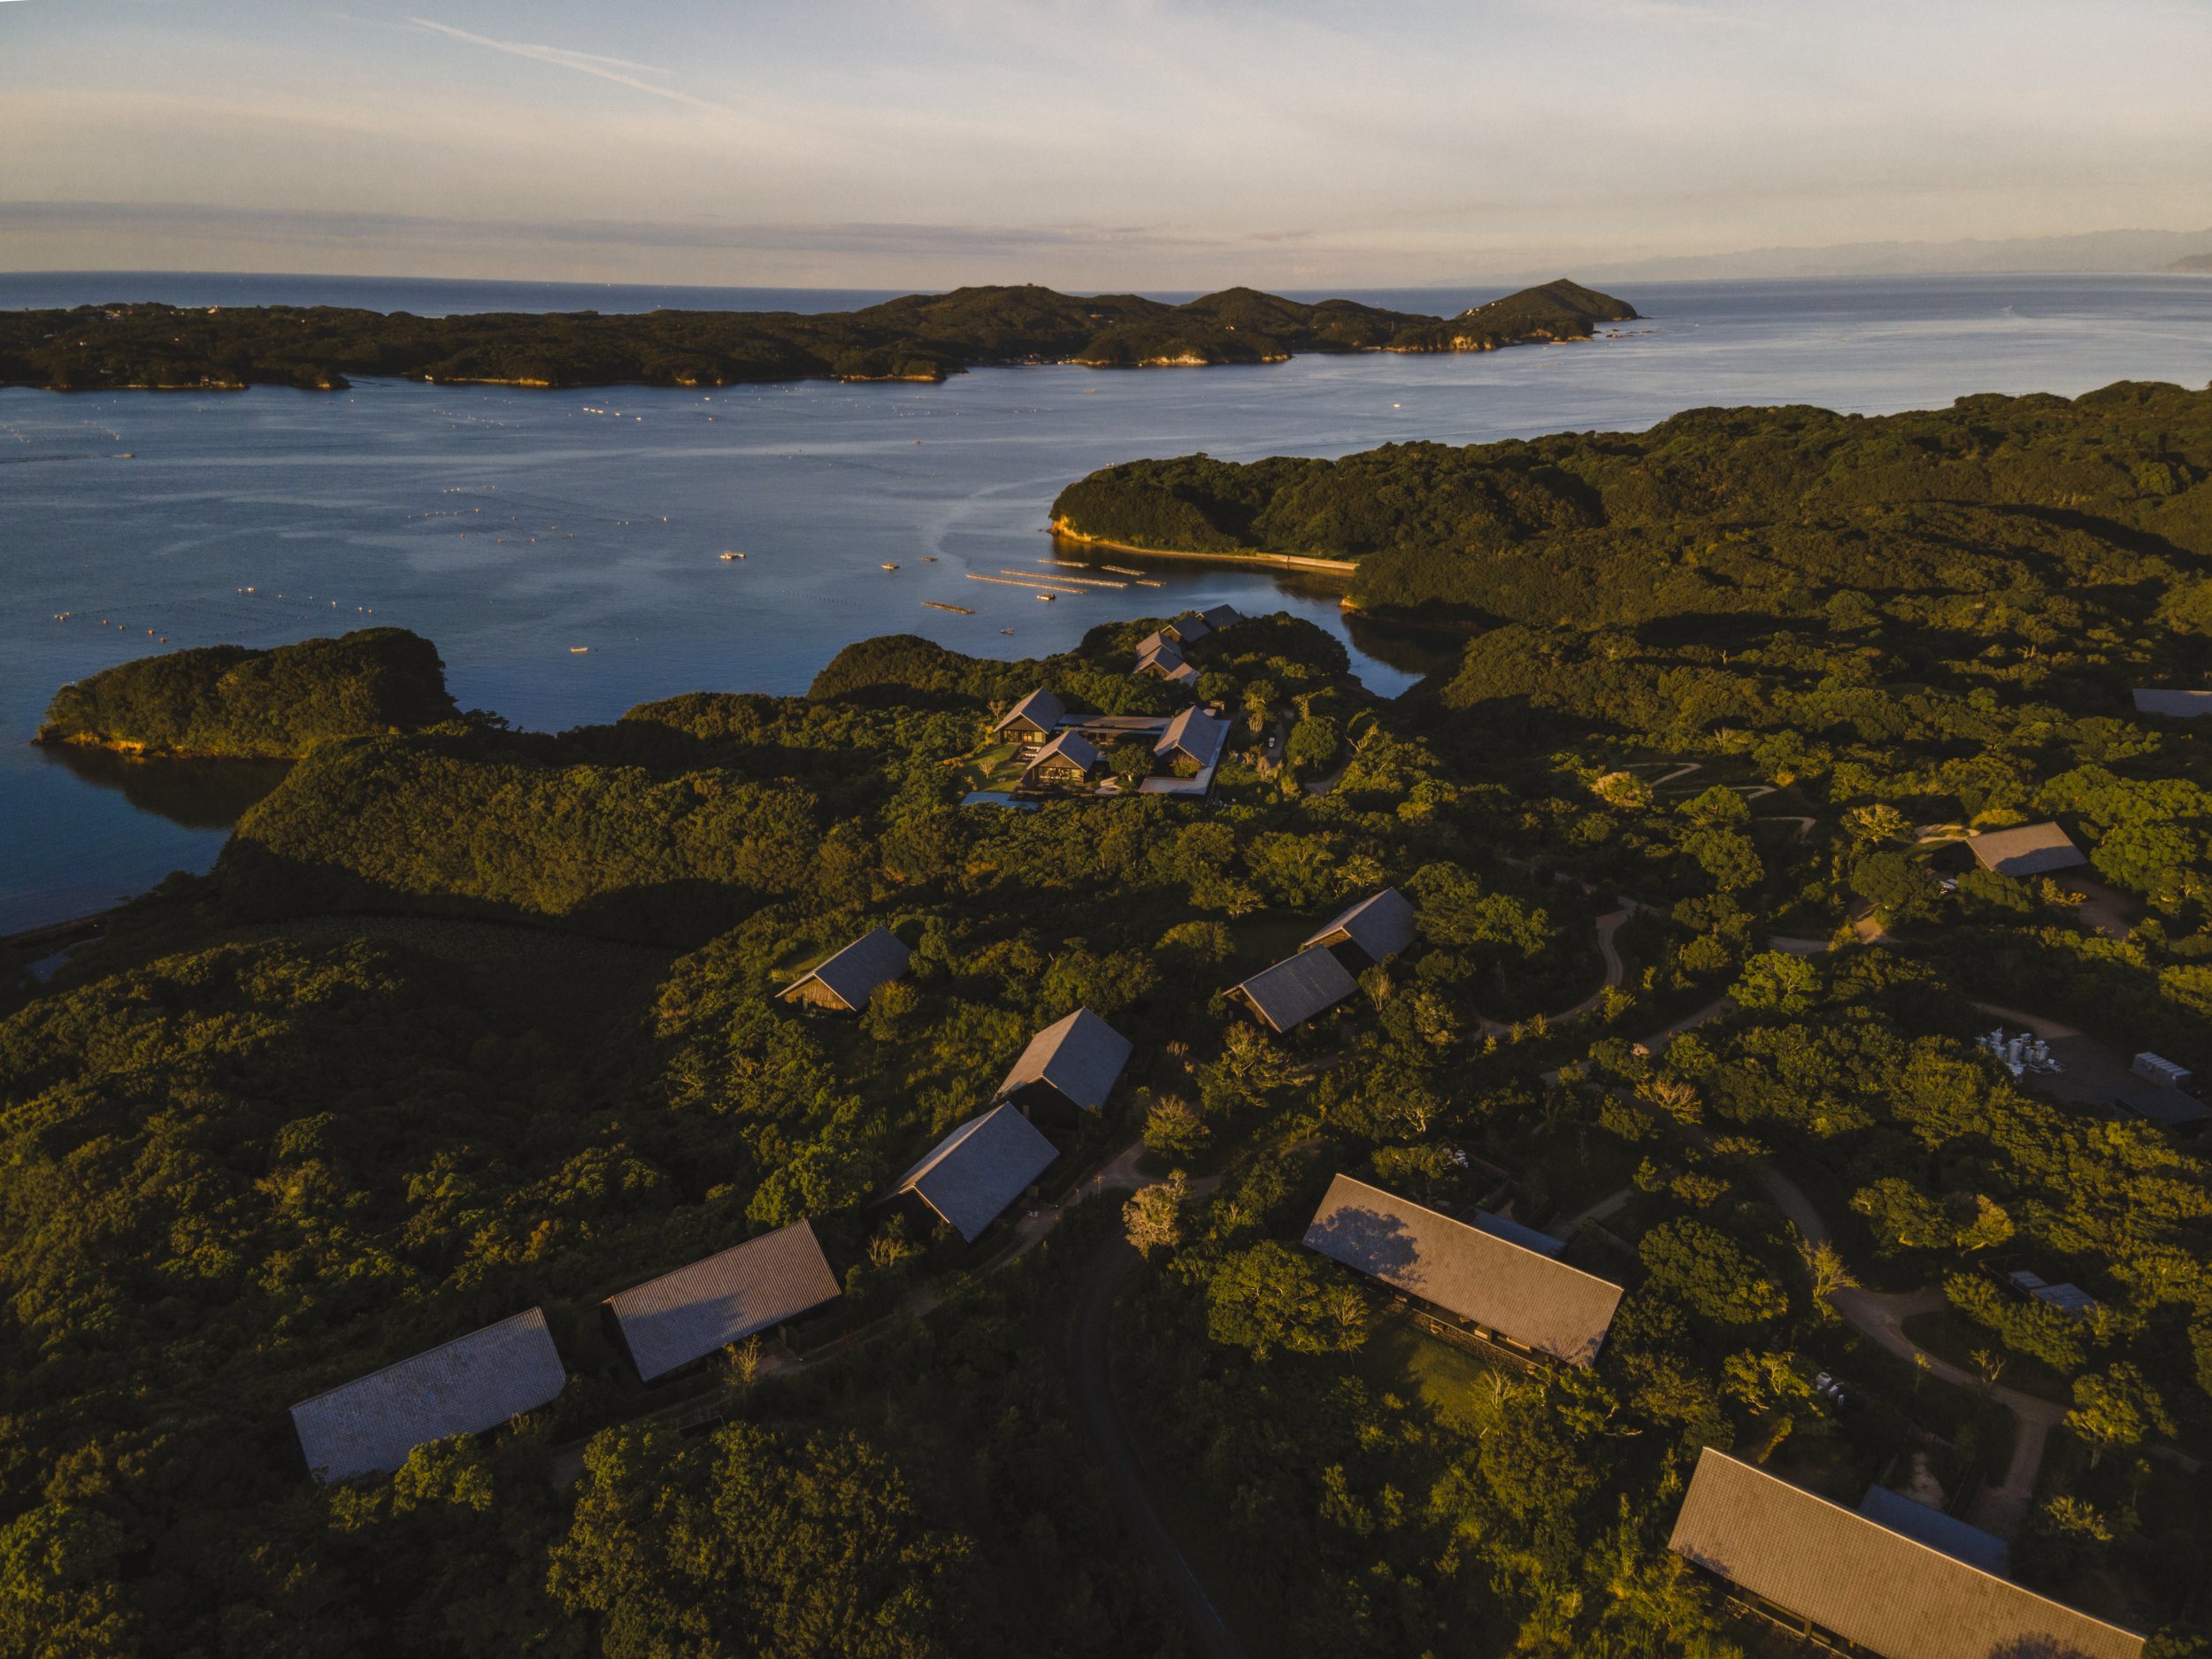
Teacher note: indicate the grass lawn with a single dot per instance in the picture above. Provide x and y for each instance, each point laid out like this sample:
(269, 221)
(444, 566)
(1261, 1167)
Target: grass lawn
(995, 766)
(1452, 1382)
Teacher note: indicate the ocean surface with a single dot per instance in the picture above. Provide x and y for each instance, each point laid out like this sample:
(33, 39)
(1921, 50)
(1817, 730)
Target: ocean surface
(515, 526)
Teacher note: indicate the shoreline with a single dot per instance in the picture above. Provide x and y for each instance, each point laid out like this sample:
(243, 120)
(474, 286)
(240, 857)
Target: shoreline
(1059, 531)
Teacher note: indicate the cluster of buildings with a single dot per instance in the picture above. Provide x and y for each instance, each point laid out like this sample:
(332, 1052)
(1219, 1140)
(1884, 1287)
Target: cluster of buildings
(1062, 750)
(967, 1180)
(1163, 654)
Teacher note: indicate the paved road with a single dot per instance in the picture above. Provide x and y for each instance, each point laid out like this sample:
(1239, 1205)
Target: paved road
(1090, 1355)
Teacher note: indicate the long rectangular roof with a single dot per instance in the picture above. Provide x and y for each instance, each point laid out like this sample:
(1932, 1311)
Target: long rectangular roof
(854, 972)
(1937, 1530)
(1294, 991)
(1382, 926)
(681, 1317)
(1080, 1055)
(2181, 704)
(1867, 1583)
(973, 1173)
(465, 1387)
(2029, 850)
(1518, 1293)
(1041, 708)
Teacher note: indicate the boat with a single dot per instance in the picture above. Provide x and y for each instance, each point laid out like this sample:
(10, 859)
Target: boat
(577, 651)
(1006, 630)
(939, 604)
(929, 558)
(890, 567)
(1046, 599)
(727, 557)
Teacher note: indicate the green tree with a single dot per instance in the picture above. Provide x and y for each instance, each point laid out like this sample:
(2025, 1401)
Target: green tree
(1271, 1296)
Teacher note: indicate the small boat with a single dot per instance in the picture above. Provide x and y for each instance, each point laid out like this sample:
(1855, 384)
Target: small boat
(890, 567)
(1046, 599)
(1006, 630)
(929, 558)
(727, 557)
(577, 651)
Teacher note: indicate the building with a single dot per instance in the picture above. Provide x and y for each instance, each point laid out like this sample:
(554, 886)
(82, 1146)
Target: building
(668, 1322)
(470, 1385)
(1292, 992)
(1196, 735)
(970, 1176)
(1077, 1060)
(1167, 664)
(1848, 1576)
(1069, 757)
(2070, 1300)
(1188, 628)
(2032, 849)
(848, 979)
(2179, 705)
(1938, 1531)
(1219, 618)
(1033, 720)
(1374, 930)
(1519, 1296)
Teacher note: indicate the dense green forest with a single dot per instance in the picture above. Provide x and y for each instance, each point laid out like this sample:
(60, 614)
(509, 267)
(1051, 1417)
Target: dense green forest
(921, 337)
(226, 702)
(468, 1020)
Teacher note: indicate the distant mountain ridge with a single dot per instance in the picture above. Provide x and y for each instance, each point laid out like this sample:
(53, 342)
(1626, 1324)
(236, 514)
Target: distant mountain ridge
(2113, 250)
(920, 337)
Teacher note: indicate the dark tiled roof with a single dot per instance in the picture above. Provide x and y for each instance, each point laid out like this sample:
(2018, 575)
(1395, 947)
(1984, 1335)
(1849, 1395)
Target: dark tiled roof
(1520, 1294)
(2030, 850)
(1039, 707)
(679, 1316)
(973, 1173)
(1382, 926)
(1220, 616)
(1868, 1584)
(1189, 627)
(1071, 747)
(1197, 733)
(1938, 1531)
(1293, 992)
(854, 972)
(2180, 704)
(470, 1384)
(1080, 1055)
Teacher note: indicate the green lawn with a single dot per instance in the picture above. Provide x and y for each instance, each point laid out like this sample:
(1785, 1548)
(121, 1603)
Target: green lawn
(1459, 1385)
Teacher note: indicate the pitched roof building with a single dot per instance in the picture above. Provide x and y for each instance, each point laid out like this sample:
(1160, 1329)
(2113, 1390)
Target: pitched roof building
(1190, 627)
(468, 1386)
(1220, 616)
(1034, 720)
(1867, 1583)
(1069, 757)
(1520, 1295)
(2180, 705)
(1166, 663)
(1080, 1058)
(1938, 1531)
(973, 1173)
(681, 1317)
(1196, 734)
(848, 979)
(2032, 849)
(1379, 928)
(1294, 991)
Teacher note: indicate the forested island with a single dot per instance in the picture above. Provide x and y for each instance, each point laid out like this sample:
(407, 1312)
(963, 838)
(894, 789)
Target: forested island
(1709, 913)
(921, 337)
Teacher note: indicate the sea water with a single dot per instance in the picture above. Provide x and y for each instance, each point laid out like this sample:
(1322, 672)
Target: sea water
(563, 548)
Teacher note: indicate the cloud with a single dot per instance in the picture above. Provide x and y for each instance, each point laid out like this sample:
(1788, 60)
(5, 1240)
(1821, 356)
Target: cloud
(618, 70)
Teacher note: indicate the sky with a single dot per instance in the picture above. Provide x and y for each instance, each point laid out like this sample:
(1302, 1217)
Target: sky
(1154, 144)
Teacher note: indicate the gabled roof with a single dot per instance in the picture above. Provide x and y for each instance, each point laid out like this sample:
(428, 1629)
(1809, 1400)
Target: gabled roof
(2180, 704)
(1040, 708)
(1080, 1055)
(2030, 850)
(1938, 1531)
(1196, 734)
(1382, 926)
(854, 972)
(1072, 747)
(1538, 1303)
(1169, 667)
(973, 1173)
(1293, 992)
(681, 1317)
(469, 1385)
(1220, 616)
(1867, 1583)
(1153, 644)
(1189, 627)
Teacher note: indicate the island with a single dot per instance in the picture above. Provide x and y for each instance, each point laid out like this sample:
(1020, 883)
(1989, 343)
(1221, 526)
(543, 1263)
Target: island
(226, 702)
(918, 338)
(1689, 1112)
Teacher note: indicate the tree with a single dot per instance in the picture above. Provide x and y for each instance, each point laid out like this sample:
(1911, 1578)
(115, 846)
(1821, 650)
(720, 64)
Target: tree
(1895, 886)
(1271, 1296)
(1775, 982)
(1700, 1267)
(1129, 762)
(1154, 1216)
(1172, 1130)
(1313, 744)
(2119, 1408)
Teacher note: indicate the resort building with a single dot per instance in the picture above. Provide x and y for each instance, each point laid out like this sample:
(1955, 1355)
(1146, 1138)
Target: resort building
(1033, 720)
(1938, 1531)
(1850, 1579)
(970, 1176)
(470, 1385)
(844, 983)
(1076, 1061)
(1291, 993)
(1373, 931)
(1508, 1293)
(1069, 757)
(2179, 705)
(1166, 663)
(1220, 616)
(2032, 849)
(1196, 735)
(668, 1322)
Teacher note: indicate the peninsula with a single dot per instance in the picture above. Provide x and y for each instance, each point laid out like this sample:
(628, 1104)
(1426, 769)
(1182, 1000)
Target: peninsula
(923, 337)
